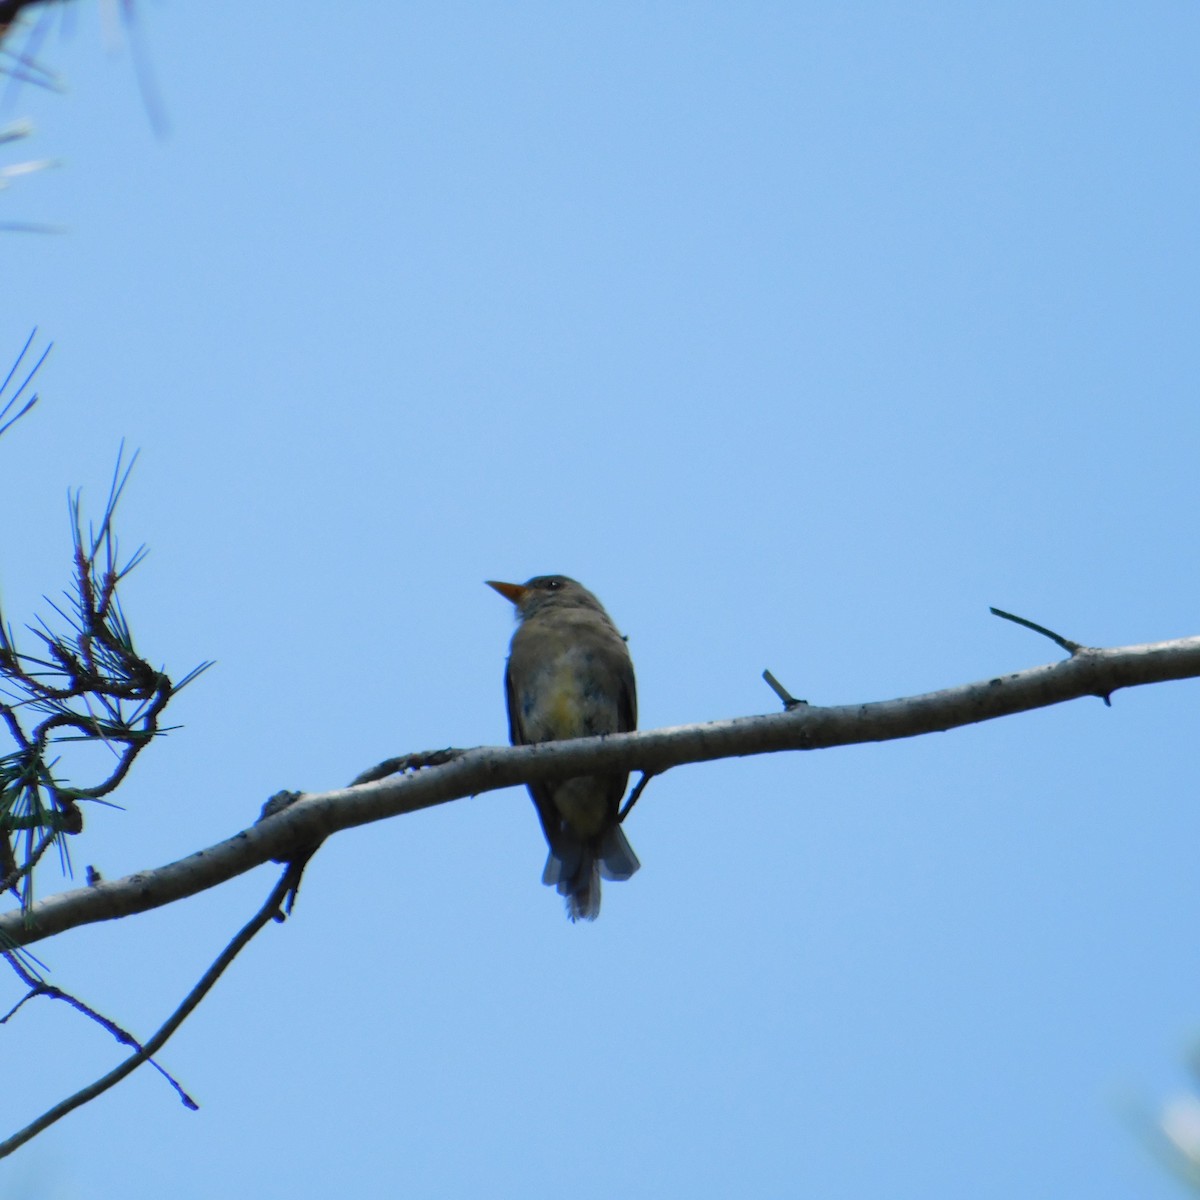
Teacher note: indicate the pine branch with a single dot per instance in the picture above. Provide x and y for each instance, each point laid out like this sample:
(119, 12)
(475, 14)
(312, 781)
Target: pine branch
(86, 683)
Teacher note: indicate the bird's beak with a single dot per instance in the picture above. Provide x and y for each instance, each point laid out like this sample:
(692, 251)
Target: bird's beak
(515, 592)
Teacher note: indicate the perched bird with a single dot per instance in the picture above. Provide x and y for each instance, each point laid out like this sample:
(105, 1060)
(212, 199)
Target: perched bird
(570, 675)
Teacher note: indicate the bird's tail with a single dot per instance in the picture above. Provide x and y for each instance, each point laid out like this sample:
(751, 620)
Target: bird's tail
(575, 868)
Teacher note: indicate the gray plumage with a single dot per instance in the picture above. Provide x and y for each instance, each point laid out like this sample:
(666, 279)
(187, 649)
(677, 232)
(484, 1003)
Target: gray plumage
(570, 675)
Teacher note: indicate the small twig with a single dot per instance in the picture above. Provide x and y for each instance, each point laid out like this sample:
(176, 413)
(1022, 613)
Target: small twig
(636, 794)
(1069, 646)
(262, 917)
(789, 701)
(39, 987)
(1072, 648)
(407, 762)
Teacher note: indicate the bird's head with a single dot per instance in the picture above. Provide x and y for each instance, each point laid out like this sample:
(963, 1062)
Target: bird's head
(545, 592)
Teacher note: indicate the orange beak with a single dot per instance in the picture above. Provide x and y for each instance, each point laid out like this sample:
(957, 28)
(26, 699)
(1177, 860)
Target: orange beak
(516, 592)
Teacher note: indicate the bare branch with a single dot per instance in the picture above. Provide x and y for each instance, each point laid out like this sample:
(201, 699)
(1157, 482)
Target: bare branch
(264, 915)
(313, 817)
(39, 987)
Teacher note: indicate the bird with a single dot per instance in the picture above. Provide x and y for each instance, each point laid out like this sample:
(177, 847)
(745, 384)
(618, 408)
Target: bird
(569, 675)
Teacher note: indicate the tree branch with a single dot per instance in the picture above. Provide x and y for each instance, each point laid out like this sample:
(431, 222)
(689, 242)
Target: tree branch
(1088, 672)
(267, 913)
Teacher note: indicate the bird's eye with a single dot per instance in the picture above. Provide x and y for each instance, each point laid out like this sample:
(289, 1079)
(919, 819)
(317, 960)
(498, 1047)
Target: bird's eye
(552, 585)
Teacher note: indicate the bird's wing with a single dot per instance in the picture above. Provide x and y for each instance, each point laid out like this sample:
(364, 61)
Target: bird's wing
(626, 688)
(626, 722)
(626, 700)
(515, 733)
(547, 812)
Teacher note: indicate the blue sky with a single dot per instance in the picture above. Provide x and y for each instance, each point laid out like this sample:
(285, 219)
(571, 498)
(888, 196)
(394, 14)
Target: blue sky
(801, 334)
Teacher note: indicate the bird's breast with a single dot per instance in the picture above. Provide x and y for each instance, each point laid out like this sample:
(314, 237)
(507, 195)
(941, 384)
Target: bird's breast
(567, 697)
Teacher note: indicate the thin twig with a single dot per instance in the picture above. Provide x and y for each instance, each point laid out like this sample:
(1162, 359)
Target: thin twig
(636, 794)
(405, 763)
(1069, 646)
(39, 987)
(264, 915)
(789, 701)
